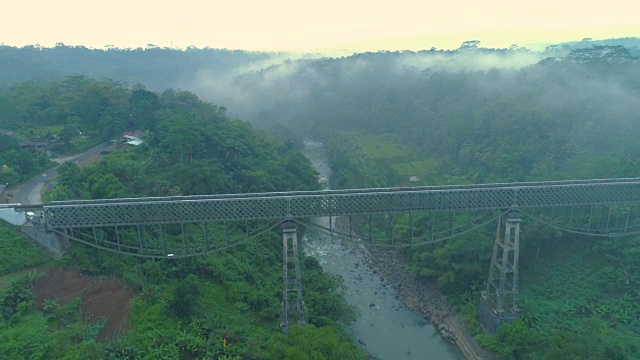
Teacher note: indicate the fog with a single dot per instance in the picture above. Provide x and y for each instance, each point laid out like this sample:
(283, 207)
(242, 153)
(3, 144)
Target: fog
(295, 89)
(415, 92)
(283, 79)
(468, 107)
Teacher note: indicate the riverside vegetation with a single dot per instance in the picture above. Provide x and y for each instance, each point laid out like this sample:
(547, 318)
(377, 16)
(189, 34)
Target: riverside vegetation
(469, 115)
(477, 115)
(224, 305)
(579, 295)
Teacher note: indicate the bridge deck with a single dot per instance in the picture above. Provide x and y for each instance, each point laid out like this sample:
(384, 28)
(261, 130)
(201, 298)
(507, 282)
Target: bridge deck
(161, 210)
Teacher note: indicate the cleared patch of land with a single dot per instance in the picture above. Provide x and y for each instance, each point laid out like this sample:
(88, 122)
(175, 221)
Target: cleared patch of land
(389, 152)
(108, 299)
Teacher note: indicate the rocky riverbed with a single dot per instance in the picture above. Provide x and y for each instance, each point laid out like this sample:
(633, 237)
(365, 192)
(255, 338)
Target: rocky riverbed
(402, 317)
(386, 327)
(422, 297)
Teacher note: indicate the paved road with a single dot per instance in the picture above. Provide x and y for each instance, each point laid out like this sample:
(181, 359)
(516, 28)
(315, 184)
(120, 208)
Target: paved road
(28, 193)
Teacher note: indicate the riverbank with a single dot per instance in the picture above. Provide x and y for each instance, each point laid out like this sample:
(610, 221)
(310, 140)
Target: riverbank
(422, 297)
(386, 328)
(418, 295)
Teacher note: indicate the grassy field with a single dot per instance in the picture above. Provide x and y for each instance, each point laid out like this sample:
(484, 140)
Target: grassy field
(38, 132)
(382, 146)
(19, 256)
(17, 252)
(388, 151)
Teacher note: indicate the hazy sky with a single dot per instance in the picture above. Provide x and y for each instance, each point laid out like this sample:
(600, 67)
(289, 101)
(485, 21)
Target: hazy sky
(307, 25)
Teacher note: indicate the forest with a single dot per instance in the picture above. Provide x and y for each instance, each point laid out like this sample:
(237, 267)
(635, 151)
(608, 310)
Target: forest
(225, 305)
(478, 116)
(157, 68)
(553, 120)
(470, 115)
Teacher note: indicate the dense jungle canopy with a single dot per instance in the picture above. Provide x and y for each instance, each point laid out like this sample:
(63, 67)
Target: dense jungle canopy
(470, 115)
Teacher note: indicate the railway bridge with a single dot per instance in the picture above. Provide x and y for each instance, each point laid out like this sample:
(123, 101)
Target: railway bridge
(182, 226)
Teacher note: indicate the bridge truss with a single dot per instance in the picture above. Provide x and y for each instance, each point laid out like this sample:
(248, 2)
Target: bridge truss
(174, 227)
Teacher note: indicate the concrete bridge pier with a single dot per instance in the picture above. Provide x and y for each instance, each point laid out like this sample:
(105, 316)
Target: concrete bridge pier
(9, 214)
(33, 226)
(499, 300)
(292, 285)
(55, 244)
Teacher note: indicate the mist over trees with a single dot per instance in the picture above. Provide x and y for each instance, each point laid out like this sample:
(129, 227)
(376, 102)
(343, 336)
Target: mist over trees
(483, 115)
(157, 68)
(468, 115)
(476, 112)
(224, 305)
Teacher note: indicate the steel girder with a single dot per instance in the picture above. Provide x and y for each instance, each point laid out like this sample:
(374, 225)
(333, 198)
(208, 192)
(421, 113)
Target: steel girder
(188, 209)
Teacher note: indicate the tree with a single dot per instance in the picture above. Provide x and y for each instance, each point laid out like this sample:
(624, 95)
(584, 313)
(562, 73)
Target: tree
(68, 133)
(310, 342)
(185, 297)
(470, 44)
(8, 143)
(70, 177)
(28, 339)
(106, 187)
(511, 341)
(181, 137)
(110, 125)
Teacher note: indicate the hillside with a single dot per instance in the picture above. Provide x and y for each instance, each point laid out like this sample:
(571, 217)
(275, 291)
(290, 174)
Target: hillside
(470, 115)
(224, 305)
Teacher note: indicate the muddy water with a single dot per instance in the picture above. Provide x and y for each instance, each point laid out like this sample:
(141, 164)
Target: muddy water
(386, 328)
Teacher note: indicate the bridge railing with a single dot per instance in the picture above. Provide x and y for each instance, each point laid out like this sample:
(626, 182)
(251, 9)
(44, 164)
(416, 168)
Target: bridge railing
(351, 191)
(233, 207)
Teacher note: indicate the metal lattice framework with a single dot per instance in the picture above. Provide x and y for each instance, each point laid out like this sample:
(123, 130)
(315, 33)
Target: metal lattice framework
(179, 226)
(192, 209)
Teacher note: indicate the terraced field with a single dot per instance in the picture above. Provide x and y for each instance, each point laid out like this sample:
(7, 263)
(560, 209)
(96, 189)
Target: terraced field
(388, 152)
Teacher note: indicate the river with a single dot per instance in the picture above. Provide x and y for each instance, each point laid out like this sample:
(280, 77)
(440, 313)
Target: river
(386, 328)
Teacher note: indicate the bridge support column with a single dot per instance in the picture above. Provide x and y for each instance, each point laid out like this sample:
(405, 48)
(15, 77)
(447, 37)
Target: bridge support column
(499, 300)
(54, 244)
(292, 285)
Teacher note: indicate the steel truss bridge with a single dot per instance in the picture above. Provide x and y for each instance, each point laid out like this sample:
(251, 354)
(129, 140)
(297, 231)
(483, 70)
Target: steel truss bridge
(174, 227)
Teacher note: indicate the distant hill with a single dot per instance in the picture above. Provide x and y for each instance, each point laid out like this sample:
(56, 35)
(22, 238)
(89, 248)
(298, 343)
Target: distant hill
(628, 42)
(162, 68)
(631, 43)
(158, 68)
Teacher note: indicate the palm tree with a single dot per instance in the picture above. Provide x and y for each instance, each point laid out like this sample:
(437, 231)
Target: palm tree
(466, 298)
(569, 309)
(622, 315)
(49, 306)
(476, 286)
(601, 309)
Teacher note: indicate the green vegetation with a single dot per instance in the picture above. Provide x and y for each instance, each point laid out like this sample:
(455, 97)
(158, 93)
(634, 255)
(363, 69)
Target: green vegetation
(351, 167)
(225, 305)
(382, 146)
(140, 65)
(447, 117)
(383, 158)
(16, 252)
(17, 164)
(568, 283)
(55, 332)
(579, 295)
